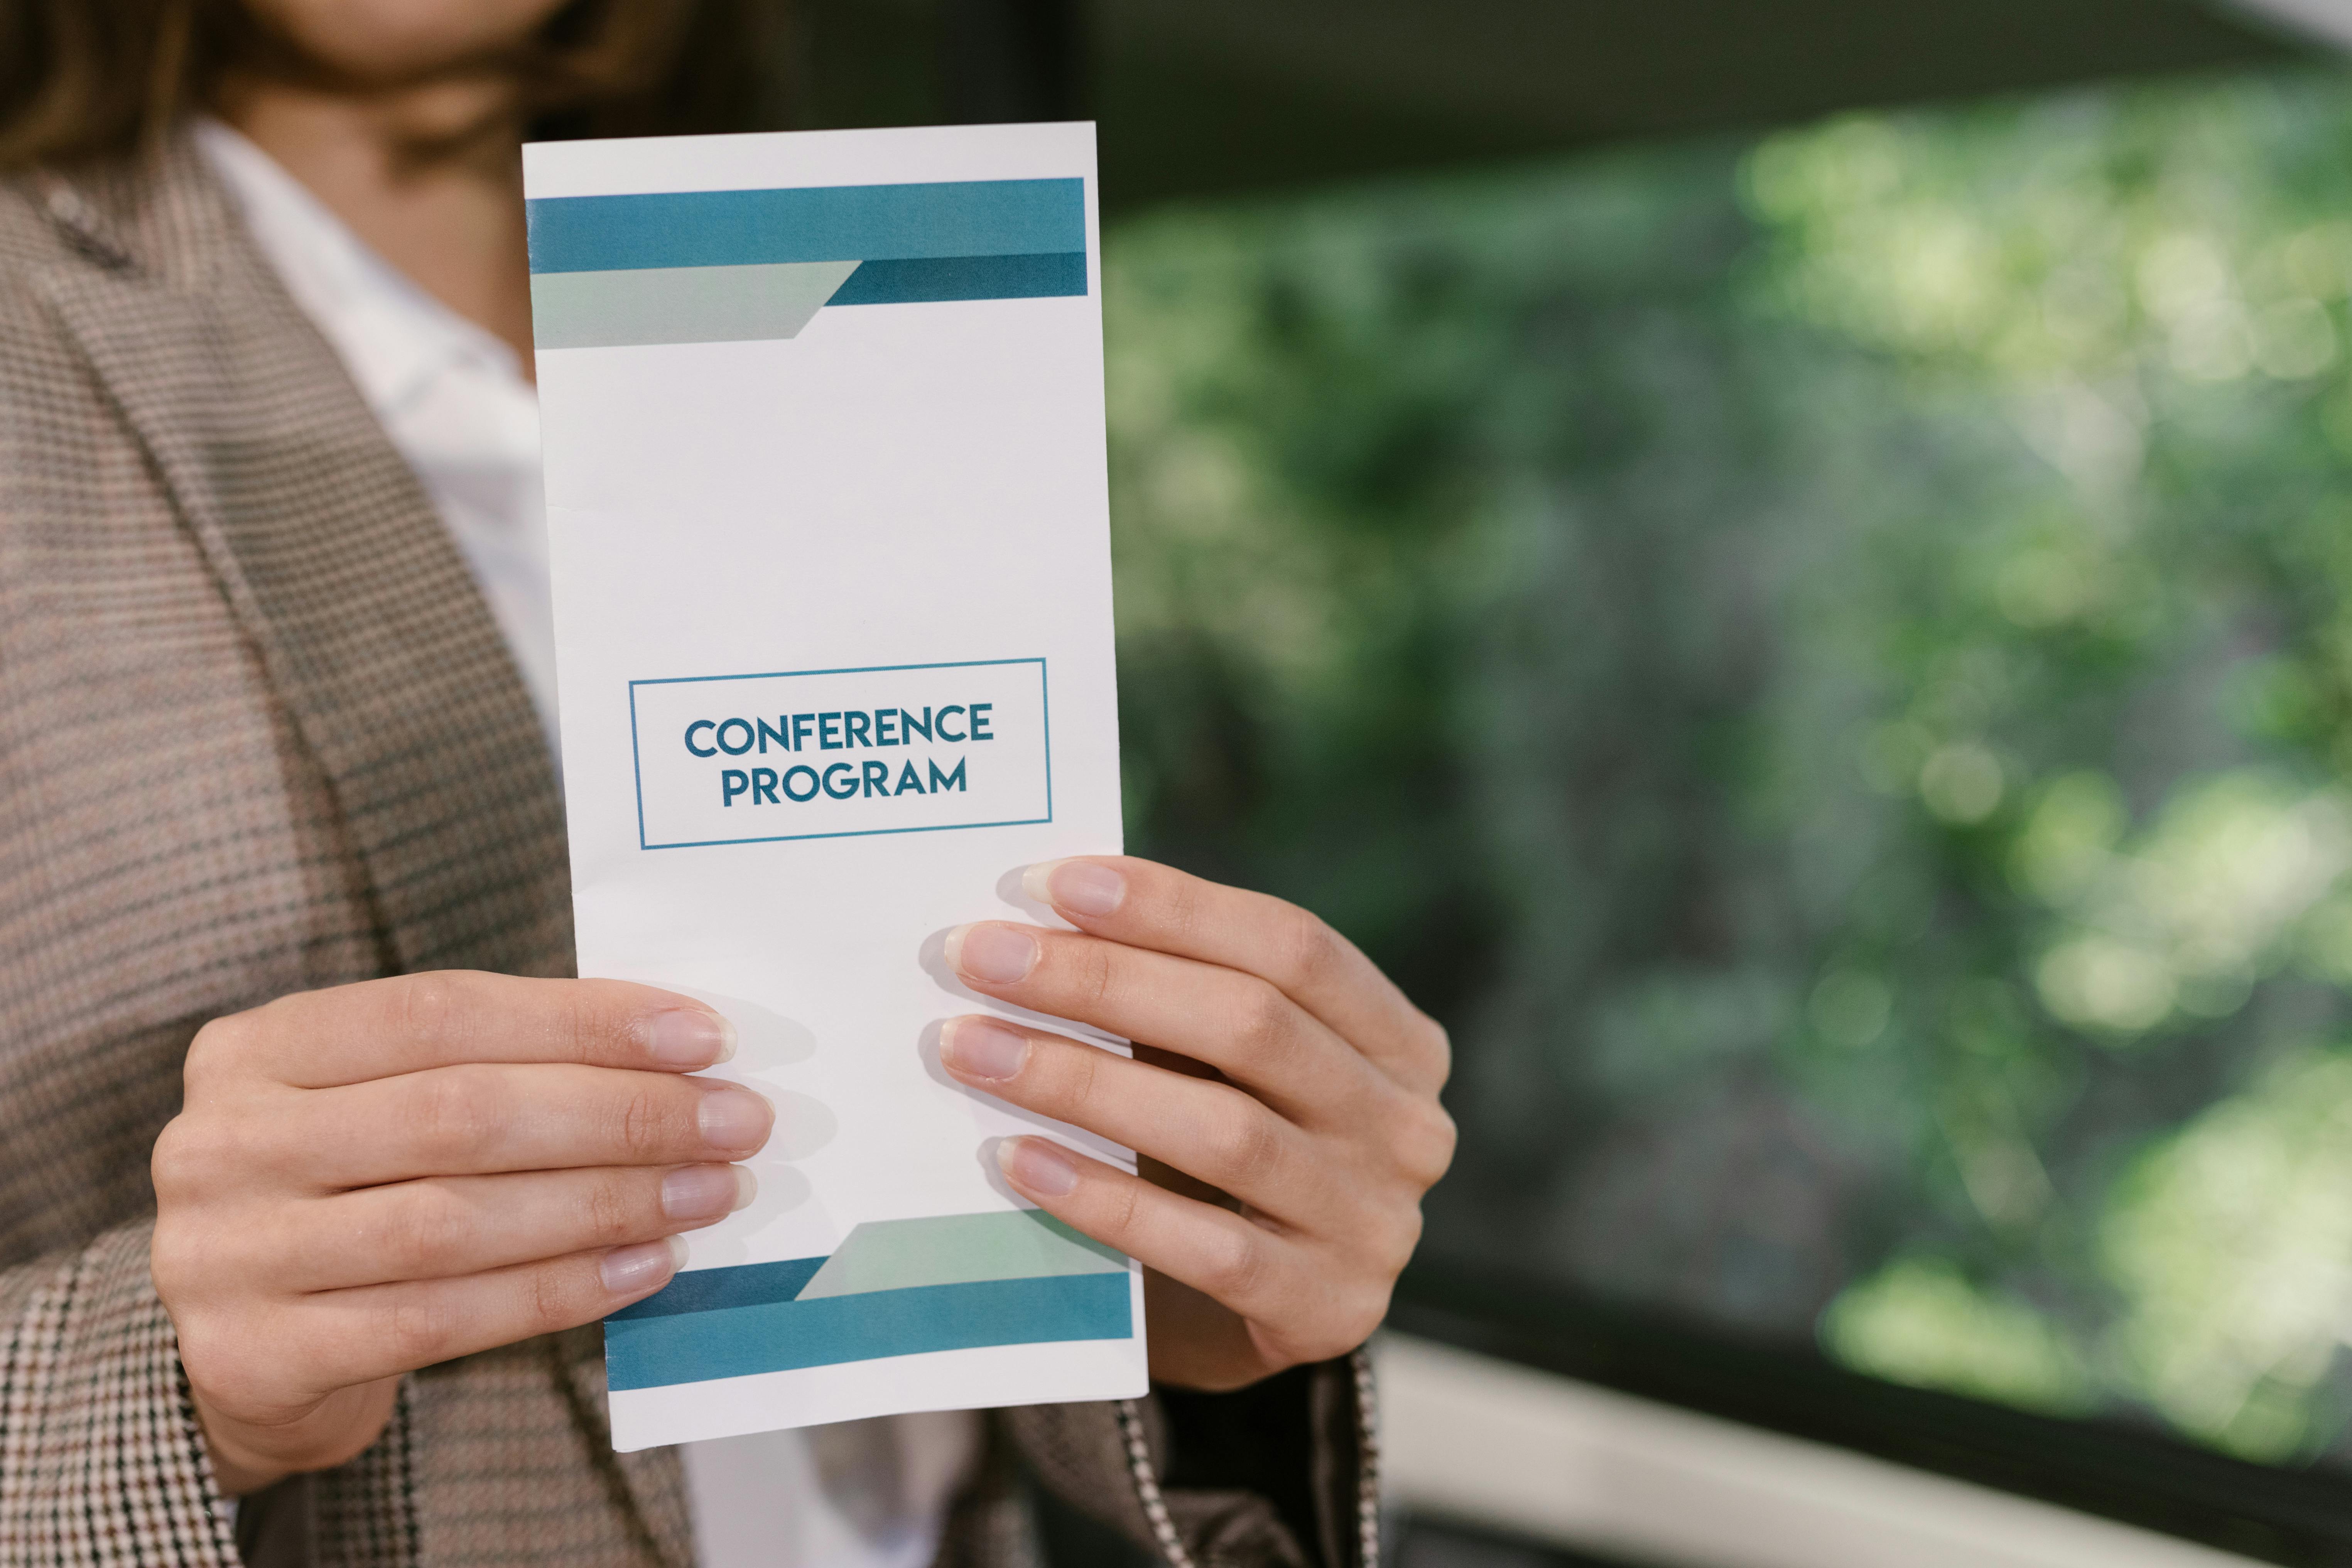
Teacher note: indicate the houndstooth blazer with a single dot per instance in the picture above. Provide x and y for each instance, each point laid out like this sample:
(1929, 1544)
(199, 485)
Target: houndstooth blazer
(258, 733)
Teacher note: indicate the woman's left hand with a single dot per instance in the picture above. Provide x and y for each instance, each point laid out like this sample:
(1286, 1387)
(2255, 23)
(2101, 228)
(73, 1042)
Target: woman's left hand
(1288, 1118)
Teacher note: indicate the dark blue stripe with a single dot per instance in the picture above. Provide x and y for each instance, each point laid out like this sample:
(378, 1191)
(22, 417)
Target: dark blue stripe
(832, 223)
(964, 278)
(779, 1336)
(711, 1289)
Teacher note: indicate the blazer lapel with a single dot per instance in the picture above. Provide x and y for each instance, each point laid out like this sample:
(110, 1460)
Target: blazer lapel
(366, 616)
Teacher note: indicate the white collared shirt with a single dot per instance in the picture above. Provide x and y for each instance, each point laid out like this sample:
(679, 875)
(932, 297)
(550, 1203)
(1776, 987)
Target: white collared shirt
(453, 400)
(449, 394)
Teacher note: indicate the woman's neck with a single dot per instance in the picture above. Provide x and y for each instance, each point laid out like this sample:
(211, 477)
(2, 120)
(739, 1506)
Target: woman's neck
(453, 223)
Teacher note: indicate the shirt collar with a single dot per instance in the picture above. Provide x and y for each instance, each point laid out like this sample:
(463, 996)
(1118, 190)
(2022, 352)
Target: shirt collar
(393, 337)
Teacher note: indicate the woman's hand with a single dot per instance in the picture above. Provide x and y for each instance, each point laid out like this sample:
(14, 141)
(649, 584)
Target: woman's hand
(375, 1178)
(1292, 1104)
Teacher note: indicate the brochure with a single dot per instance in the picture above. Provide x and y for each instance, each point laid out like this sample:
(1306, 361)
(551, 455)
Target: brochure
(827, 504)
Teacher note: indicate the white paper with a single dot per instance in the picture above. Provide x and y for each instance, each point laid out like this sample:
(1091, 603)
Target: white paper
(828, 512)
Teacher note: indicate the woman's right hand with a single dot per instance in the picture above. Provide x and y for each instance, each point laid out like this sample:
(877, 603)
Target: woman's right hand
(375, 1178)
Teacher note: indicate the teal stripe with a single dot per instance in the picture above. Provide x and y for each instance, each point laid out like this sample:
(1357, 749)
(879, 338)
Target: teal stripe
(964, 278)
(832, 223)
(739, 1285)
(781, 1336)
(679, 304)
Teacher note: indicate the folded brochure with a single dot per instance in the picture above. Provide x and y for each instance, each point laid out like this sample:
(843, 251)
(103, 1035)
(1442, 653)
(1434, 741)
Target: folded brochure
(827, 506)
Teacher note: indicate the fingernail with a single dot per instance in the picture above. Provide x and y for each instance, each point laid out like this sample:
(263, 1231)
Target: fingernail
(1079, 885)
(702, 1191)
(1037, 1165)
(626, 1270)
(978, 1049)
(734, 1120)
(1000, 954)
(690, 1037)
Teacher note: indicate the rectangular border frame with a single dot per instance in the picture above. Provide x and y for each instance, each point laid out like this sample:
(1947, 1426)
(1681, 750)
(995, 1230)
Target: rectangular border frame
(1045, 708)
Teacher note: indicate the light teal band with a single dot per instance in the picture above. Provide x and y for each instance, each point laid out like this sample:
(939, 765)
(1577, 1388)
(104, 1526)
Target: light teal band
(952, 1249)
(680, 304)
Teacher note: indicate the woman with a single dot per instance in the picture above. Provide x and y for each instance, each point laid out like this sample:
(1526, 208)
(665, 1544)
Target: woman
(320, 1171)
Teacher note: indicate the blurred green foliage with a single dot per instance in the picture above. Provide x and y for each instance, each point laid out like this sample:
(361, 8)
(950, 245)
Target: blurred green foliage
(1828, 664)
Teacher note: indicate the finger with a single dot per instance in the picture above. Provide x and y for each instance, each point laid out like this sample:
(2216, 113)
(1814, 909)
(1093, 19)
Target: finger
(1237, 1022)
(1211, 1131)
(1152, 906)
(1306, 1311)
(381, 1331)
(444, 1227)
(480, 1121)
(411, 1023)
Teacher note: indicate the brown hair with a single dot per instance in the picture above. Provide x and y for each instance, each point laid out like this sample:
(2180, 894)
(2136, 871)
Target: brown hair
(82, 79)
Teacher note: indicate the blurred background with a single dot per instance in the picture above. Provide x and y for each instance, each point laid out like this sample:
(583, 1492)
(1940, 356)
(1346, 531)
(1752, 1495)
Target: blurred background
(1788, 570)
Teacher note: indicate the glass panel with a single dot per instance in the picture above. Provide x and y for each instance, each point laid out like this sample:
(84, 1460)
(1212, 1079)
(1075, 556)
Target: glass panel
(1827, 663)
